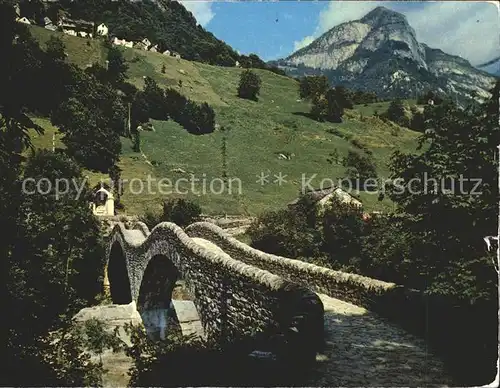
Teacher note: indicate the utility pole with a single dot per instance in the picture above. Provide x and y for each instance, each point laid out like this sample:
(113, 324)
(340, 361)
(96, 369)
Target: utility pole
(128, 121)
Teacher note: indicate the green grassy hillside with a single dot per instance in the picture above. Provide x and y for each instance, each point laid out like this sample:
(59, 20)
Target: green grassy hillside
(257, 133)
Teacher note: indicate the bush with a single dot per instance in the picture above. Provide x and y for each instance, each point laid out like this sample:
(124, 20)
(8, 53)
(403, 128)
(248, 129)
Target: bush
(181, 211)
(162, 363)
(155, 97)
(287, 232)
(249, 86)
(342, 228)
(151, 219)
(359, 166)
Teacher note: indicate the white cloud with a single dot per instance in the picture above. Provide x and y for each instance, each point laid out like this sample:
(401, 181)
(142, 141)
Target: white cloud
(298, 44)
(468, 29)
(451, 26)
(202, 10)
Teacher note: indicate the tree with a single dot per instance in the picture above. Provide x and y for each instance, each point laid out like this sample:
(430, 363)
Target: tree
(139, 110)
(55, 265)
(342, 229)
(335, 105)
(156, 100)
(88, 135)
(447, 217)
(46, 237)
(180, 211)
(319, 108)
(396, 112)
(286, 232)
(313, 87)
(55, 48)
(137, 140)
(176, 103)
(117, 67)
(249, 86)
(359, 166)
(205, 119)
(343, 97)
(417, 122)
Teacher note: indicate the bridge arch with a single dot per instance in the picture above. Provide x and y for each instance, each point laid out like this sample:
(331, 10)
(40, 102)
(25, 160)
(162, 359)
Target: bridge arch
(155, 296)
(118, 276)
(232, 302)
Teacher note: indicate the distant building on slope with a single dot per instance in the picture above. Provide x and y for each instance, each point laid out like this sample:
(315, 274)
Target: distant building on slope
(122, 42)
(143, 44)
(23, 20)
(76, 27)
(48, 24)
(323, 197)
(102, 29)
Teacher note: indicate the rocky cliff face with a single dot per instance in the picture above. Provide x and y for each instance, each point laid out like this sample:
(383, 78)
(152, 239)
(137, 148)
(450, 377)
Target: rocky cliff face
(380, 53)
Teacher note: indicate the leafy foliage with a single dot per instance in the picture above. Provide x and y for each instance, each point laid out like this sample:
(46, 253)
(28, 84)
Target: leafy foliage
(434, 241)
(54, 268)
(117, 67)
(363, 97)
(359, 166)
(249, 86)
(163, 104)
(91, 128)
(313, 87)
(179, 211)
(327, 103)
(396, 113)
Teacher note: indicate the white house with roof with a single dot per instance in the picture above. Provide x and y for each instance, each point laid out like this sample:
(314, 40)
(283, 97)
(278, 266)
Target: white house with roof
(102, 29)
(122, 42)
(48, 24)
(23, 20)
(103, 203)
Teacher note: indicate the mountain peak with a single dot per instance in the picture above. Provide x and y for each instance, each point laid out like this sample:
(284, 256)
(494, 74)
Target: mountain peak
(382, 15)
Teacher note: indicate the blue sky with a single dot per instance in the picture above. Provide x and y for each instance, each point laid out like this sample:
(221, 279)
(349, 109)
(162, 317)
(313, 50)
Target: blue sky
(468, 29)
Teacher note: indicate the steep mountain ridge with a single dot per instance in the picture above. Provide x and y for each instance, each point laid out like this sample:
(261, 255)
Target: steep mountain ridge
(380, 52)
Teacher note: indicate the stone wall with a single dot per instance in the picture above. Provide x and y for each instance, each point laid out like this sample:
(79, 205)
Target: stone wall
(235, 301)
(360, 290)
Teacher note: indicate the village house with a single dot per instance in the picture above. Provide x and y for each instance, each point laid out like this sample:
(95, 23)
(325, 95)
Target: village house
(83, 34)
(76, 27)
(176, 55)
(143, 44)
(154, 49)
(47, 24)
(23, 20)
(102, 30)
(166, 52)
(123, 42)
(237, 64)
(103, 203)
(323, 198)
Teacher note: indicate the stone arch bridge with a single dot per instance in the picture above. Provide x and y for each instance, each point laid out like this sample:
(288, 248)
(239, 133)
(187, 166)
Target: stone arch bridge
(237, 294)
